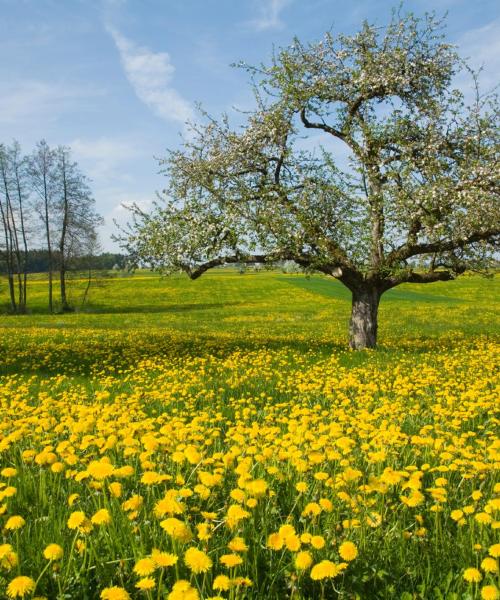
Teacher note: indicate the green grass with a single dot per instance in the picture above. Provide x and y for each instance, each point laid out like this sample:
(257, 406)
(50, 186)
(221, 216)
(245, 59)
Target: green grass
(242, 350)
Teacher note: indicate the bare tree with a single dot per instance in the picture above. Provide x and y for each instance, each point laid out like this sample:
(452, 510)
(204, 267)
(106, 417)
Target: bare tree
(43, 182)
(8, 238)
(19, 174)
(76, 219)
(13, 213)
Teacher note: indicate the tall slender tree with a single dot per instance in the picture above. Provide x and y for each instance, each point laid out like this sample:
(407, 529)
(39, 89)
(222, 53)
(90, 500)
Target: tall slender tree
(19, 175)
(75, 215)
(43, 181)
(13, 213)
(8, 238)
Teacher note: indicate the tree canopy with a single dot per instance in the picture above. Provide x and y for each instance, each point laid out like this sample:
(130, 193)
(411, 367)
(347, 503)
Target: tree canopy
(416, 200)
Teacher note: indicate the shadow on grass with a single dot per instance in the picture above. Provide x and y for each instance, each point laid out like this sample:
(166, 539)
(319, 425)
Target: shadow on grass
(155, 308)
(96, 309)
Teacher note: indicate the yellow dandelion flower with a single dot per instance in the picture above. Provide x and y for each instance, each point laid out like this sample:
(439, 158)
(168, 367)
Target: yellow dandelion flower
(324, 569)
(81, 546)
(114, 593)
(72, 498)
(115, 489)
(100, 470)
(9, 559)
(317, 542)
(53, 552)
(472, 575)
(14, 523)
(275, 541)
(197, 561)
(237, 544)
(312, 509)
(303, 560)
(145, 566)
(8, 472)
(483, 518)
(241, 582)
(20, 587)
(76, 519)
(257, 487)
(348, 551)
(133, 503)
(286, 531)
(204, 531)
(9, 491)
(221, 583)
(494, 550)
(489, 565)
(145, 584)
(176, 529)
(183, 590)
(489, 592)
(101, 517)
(163, 559)
(150, 478)
(292, 543)
(231, 560)
(235, 514)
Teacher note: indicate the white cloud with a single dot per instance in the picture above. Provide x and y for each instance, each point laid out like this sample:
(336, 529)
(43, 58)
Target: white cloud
(481, 48)
(150, 74)
(269, 17)
(29, 100)
(104, 157)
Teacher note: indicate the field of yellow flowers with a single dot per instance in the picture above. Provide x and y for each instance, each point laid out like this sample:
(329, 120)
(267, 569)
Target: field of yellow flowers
(215, 439)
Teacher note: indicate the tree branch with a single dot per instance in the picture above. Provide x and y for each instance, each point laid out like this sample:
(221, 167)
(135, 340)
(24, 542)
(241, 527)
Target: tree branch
(331, 130)
(408, 250)
(303, 260)
(412, 277)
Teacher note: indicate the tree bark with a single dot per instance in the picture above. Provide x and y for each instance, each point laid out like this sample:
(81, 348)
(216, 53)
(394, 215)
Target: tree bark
(49, 247)
(364, 318)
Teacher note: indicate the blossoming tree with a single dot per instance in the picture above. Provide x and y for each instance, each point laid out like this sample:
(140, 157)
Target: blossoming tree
(417, 200)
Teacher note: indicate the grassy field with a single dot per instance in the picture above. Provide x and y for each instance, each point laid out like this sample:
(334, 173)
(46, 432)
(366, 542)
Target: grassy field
(217, 439)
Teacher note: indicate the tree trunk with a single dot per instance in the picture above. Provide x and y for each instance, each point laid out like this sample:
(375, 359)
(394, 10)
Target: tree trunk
(65, 307)
(49, 251)
(12, 293)
(364, 315)
(62, 242)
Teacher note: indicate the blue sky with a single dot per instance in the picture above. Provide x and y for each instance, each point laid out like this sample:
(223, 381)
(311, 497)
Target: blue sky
(116, 79)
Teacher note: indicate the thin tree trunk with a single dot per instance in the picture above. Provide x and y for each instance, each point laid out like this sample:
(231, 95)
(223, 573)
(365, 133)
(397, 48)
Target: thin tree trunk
(62, 277)
(62, 242)
(9, 257)
(49, 247)
(16, 256)
(89, 281)
(25, 241)
(364, 318)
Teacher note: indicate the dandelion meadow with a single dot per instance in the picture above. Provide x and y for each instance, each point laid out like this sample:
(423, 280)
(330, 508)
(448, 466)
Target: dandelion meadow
(217, 439)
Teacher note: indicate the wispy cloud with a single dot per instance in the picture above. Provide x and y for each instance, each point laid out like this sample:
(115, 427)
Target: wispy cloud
(150, 74)
(31, 100)
(270, 14)
(105, 158)
(481, 49)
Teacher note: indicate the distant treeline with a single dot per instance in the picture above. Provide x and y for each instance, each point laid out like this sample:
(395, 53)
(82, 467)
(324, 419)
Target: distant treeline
(37, 261)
